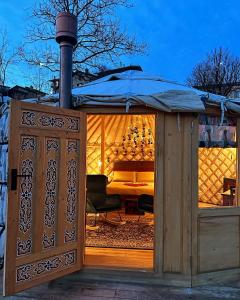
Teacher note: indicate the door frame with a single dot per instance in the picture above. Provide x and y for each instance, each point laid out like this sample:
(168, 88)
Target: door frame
(158, 181)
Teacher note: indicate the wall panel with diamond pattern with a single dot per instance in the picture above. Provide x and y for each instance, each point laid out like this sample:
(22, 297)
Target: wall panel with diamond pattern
(214, 165)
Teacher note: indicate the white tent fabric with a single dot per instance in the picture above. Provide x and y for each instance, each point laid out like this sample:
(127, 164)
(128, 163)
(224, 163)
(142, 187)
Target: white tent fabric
(132, 88)
(137, 88)
(3, 173)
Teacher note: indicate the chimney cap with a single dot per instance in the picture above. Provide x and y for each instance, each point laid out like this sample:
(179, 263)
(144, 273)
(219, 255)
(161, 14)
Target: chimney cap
(66, 28)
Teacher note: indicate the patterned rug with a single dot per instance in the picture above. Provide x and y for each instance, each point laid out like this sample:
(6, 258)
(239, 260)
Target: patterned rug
(131, 235)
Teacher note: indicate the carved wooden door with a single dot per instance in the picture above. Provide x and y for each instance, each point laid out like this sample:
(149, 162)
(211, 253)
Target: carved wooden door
(45, 219)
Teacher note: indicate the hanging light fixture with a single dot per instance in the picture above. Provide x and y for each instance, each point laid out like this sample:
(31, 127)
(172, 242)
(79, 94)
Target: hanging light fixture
(137, 140)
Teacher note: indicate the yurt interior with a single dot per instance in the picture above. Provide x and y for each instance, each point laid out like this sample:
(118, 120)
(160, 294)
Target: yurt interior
(120, 190)
(217, 162)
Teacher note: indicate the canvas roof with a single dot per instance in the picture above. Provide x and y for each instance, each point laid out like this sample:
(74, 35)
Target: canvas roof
(132, 88)
(138, 88)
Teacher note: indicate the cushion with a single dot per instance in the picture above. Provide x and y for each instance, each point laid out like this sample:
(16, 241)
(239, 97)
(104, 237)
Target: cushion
(145, 176)
(124, 176)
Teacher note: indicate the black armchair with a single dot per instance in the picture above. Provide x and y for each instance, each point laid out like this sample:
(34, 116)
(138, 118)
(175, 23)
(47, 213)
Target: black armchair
(145, 203)
(97, 199)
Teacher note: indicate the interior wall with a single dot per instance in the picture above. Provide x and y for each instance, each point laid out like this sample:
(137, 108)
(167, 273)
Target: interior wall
(94, 129)
(214, 165)
(108, 140)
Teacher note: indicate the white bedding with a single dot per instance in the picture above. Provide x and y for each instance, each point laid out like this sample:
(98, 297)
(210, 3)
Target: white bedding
(123, 189)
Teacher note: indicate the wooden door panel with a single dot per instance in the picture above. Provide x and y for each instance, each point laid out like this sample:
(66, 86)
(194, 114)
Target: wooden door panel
(45, 219)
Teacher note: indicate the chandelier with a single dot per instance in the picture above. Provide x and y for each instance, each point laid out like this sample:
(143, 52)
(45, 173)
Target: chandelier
(138, 140)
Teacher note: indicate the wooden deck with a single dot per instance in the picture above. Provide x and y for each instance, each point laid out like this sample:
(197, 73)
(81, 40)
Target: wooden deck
(123, 258)
(72, 289)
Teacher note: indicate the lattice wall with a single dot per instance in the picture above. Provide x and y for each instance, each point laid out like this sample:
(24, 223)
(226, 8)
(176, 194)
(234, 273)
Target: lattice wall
(110, 129)
(113, 153)
(214, 165)
(94, 124)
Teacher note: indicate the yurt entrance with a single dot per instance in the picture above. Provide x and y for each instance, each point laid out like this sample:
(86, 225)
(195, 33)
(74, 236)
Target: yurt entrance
(120, 191)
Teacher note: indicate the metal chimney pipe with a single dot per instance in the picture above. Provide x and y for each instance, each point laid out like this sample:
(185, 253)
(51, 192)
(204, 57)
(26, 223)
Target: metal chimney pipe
(66, 36)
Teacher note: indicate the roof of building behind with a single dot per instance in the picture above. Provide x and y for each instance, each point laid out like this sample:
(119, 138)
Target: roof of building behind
(101, 74)
(119, 70)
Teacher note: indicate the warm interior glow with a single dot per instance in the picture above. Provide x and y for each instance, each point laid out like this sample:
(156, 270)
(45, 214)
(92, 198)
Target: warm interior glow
(123, 237)
(118, 137)
(215, 164)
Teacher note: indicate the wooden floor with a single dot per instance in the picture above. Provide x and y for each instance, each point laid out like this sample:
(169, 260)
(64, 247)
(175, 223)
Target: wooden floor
(120, 258)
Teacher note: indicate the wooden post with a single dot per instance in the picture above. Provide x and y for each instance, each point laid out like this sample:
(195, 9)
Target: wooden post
(159, 191)
(103, 145)
(194, 196)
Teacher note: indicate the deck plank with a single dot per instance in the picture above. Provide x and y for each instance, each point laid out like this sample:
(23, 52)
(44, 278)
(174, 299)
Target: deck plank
(71, 289)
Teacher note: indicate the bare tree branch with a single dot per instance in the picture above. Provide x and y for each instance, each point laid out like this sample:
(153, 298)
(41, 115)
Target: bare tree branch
(7, 56)
(100, 36)
(218, 73)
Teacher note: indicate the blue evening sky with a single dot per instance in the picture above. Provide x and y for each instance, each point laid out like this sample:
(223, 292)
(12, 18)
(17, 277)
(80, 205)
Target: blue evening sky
(179, 33)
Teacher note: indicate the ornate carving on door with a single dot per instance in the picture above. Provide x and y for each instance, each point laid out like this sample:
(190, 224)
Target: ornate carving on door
(46, 210)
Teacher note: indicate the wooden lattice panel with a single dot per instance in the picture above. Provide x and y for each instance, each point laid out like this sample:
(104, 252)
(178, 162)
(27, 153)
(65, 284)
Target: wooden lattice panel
(94, 127)
(93, 159)
(214, 165)
(114, 153)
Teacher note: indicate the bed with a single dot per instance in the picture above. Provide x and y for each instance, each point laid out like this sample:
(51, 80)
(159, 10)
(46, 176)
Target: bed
(132, 178)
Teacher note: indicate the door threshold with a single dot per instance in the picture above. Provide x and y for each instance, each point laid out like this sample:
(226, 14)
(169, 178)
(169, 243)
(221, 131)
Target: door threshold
(117, 268)
(121, 259)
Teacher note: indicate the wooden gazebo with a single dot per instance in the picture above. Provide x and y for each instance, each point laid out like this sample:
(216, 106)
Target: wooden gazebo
(196, 232)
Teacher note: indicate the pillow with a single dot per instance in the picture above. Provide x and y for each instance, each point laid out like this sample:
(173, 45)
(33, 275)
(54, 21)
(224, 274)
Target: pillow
(124, 176)
(145, 176)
